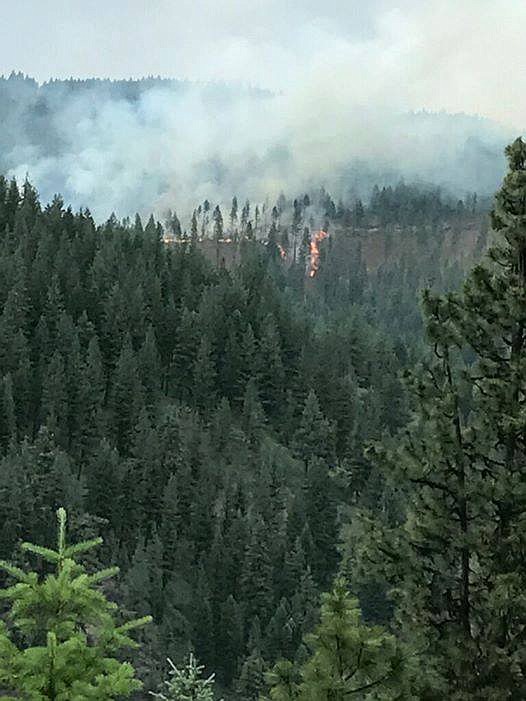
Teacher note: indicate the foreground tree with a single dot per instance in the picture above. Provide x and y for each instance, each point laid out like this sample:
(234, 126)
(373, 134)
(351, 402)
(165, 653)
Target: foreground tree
(188, 683)
(456, 563)
(349, 660)
(61, 636)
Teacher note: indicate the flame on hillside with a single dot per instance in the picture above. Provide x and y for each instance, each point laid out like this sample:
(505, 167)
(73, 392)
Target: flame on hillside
(282, 251)
(316, 239)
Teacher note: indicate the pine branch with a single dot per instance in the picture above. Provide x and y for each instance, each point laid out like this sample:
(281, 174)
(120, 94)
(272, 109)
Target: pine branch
(17, 573)
(78, 548)
(45, 553)
(136, 623)
(103, 574)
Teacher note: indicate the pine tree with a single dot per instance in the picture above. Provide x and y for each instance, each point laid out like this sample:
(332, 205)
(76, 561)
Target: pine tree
(170, 518)
(205, 218)
(314, 437)
(279, 633)
(12, 201)
(175, 225)
(233, 218)
(204, 376)
(272, 242)
(183, 358)
(284, 681)
(218, 229)
(253, 416)
(8, 427)
(104, 475)
(256, 575)
(245, 214)
(55, 406)
(204, 618)
(348, 659)
(90, 392)
(272, 380)
(321, 516)
(187, 684)
(230, 639)
(304, 607)
(150, 368)
(194, 233)
(144, 581)
(251, 681)
(249, 361)
(358, 212)
(456, 563)
(126, 395)
(68, 630)
(16, 503)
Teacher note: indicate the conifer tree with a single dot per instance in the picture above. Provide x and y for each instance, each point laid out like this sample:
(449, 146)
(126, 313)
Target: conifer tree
(91, 392)
(175, 225)
(8, 427)
(233, 218)
(245, 214)
(205, 218)
(194, 233)
(249, 360)
(150, 368)
(218, 229)
(204, 618)
(104, 476)
(253, 415)
(348, 660)
(67, 635)
(279, 633)
(12, 201)
(272, 372)
(230, 638)
(321, 515)
(314, 437)
(456, 562)
(256, 576)
(218, 223)
(54, 398)
(204, 376)
(272, 242)
(251, 681)
(187, 684)
(126, 395)
(183, 358)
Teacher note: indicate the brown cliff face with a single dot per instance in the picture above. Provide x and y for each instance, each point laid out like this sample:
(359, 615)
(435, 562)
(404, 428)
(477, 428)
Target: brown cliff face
(378, 245)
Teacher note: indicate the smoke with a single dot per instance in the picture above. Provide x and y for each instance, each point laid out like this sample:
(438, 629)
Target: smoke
(347, 108)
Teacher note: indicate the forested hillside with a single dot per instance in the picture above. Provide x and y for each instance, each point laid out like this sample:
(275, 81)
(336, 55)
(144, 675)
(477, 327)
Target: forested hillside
(262, 350)
(211, 423)
(136, 145)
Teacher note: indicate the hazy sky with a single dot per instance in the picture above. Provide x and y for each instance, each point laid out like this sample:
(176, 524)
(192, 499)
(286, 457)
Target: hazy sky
(459, 55)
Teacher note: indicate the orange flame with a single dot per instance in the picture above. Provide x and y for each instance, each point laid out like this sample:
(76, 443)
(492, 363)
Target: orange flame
(316, 238)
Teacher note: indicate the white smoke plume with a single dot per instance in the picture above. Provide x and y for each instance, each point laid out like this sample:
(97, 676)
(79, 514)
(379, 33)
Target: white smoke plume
(346, 107)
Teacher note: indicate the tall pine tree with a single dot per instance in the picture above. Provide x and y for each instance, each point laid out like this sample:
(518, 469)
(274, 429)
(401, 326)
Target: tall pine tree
(455, 564)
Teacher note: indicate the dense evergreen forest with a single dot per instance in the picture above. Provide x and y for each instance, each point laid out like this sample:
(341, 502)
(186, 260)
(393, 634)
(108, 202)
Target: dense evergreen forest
(257, 439)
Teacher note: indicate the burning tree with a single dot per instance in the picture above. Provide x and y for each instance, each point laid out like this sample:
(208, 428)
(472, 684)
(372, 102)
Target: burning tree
(314, 258)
